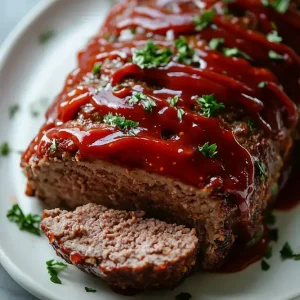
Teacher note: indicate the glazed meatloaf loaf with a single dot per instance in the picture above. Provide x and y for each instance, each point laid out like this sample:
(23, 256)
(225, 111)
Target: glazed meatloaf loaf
(123, 248)
(183, 109)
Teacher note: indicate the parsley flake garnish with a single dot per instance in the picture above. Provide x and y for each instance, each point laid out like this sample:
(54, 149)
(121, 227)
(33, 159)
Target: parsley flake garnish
(204, 20)
(215, 43)
(275, 56)
(120, 86)
(186, 54)
(280, 6)
(274, 37)
(46, 36)
(265, 266)
(97, 69)
(269, 218)
(208, 150)
(4, 149)
(235, 52)
(121, 122)
(273, 234)
(268, 253)
(173, 101)
(54, 145)
(262, 84)
(262, 170)
(209, 105)
(13, 109)
(29, 223)
(180, 113)
(183, 296)
(288, 253)
(54, 268)
(90, 290)
(147, 102)
(151, 56)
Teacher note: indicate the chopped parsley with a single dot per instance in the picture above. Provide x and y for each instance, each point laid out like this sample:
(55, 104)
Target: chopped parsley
(147, 102)
(215, 43)
(264, 265)
(46, 36)
(262, 170)
(228, 1)
(90, 290)
(54, 268)
(121, 122)
(204, 20)
(97, 69)
(275, 56)
(183, 296)
(54, 145)
(273, 234)
(208, 150)
(4, 149)
(13, 109)
(268, 253)
(251, 125)
(262, 84)
(150, 56)
(173, 101)
(269, 218)
(274, 37)
(185, 54)
(29, 223)
(209, 105)
(280, 6)
(235, 52)
(288, 253)
(180, 113)
(120, 86)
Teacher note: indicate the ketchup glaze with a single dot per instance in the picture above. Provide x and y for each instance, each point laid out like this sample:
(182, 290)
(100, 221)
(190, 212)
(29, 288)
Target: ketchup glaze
(74, 119)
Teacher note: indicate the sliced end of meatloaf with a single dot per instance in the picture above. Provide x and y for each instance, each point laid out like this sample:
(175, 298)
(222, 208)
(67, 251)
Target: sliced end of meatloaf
(125, 249)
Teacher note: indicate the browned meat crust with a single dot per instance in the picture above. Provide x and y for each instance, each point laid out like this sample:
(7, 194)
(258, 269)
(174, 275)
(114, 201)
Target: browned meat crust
(123, 248)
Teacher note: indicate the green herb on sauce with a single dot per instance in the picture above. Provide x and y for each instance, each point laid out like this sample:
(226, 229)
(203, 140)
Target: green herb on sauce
(173, 101)
(280, 6)
(180, 113)
(215, 43)
(186, 54)
(147, 102)
(262, 84)
(264, 265)
(13, 109)
(97, 69)
(46, 36)
(151, 56)
(4, 149)
(54, 268)
(274, 37)
(228, 1)
(208, 150)
(251, 125)
(209, 105)
(90, 290)
(204, 20)
(121, 86)
(183, 296)
(120, 121)
(288, 253)
(29, 223)
(261, 169)
(54, 145)
(235, 52)
(275, 56)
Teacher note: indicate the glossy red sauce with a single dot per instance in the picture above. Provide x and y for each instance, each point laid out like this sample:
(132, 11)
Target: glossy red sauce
(234, 81)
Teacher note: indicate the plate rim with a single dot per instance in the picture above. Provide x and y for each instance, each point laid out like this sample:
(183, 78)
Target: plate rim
(9, 43)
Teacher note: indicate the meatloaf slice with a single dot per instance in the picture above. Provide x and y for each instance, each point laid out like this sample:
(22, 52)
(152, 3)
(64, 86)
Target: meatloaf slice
(125, 249)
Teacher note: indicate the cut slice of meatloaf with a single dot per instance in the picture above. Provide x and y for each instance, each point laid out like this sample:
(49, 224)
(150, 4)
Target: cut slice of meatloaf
(125, 249)
(189, 121)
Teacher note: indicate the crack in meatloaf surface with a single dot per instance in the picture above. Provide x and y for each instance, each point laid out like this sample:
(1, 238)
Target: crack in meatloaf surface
(189, 121)
(123, 248)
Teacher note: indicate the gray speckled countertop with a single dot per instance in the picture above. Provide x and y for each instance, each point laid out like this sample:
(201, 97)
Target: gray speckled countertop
(11, 13)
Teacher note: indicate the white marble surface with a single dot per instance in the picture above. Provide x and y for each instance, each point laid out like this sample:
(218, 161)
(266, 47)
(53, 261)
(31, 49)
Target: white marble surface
(10, 14)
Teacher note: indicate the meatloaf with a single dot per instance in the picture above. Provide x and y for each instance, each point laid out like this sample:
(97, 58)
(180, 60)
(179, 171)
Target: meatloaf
(123, 248)
(183, 109)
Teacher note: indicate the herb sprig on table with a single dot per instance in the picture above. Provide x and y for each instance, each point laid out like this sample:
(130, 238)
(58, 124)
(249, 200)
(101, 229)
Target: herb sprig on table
(54, 268)
(29, 223)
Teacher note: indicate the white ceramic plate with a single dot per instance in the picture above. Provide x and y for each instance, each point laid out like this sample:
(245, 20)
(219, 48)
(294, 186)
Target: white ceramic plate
(31, 73)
